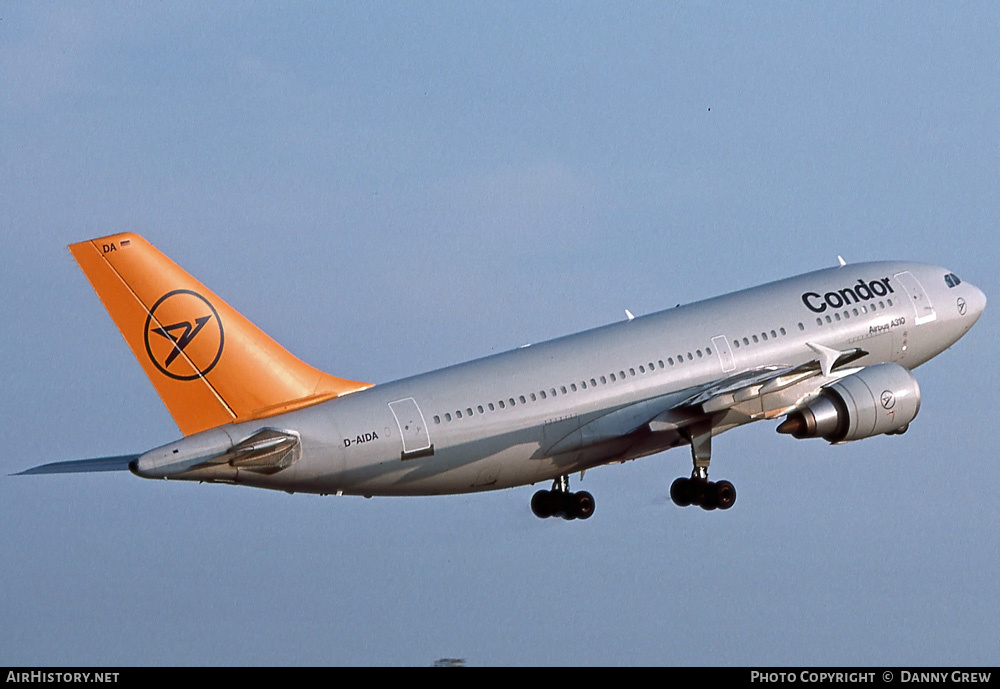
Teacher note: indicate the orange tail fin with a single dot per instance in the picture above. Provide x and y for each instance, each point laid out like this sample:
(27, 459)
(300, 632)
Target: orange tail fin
(209, 364)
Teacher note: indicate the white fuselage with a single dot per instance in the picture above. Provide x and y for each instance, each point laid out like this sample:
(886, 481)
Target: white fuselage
(609, 394)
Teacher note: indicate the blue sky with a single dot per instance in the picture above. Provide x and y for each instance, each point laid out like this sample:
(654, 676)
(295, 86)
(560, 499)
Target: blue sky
(387, 188)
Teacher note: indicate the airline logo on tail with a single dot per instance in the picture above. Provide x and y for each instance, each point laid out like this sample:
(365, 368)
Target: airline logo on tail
(174, 326)
(173, 332)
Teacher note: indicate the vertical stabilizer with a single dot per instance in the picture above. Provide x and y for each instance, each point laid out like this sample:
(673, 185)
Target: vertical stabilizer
(208, 363)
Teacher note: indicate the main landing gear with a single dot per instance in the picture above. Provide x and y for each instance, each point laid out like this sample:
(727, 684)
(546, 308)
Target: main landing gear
(560, 502)
(698, 490)
(709, 495)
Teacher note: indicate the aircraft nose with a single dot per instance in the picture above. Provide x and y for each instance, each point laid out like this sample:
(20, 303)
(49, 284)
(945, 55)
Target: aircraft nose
(977, 303)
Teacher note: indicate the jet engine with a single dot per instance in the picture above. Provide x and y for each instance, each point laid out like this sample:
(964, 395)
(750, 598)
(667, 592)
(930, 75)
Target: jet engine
(878, 399)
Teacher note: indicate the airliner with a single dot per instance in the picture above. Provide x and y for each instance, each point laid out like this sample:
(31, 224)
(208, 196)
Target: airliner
(828, 353)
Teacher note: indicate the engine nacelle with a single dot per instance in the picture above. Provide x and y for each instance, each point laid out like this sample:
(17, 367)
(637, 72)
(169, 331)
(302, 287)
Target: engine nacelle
(878, 399)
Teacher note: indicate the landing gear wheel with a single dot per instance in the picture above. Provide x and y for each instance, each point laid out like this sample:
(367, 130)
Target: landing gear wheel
(543, 504)
(680, 491)
(709, 500)
(725, 495)
(583, 505)
(560, 502)
(708, 495)
(699, 492)
(567, 511)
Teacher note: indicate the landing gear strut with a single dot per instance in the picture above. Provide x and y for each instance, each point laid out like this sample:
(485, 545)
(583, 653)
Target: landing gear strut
(698, 490)
(560, 502)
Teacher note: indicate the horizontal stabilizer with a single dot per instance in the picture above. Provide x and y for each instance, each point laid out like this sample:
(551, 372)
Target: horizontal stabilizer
(78, 466)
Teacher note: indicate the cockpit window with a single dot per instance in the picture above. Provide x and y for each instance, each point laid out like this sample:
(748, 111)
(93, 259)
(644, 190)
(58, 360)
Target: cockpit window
(952, 280)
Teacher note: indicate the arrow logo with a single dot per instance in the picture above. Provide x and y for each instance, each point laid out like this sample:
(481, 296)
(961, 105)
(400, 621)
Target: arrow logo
(177, 311)
(185, 339)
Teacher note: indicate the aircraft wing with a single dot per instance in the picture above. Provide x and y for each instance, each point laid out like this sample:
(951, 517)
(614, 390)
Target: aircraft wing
(679, 409)
(724, 393)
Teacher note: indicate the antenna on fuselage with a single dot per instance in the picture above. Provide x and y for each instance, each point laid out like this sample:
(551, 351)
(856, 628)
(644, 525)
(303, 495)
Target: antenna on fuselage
(842, 261)
(629, 314)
